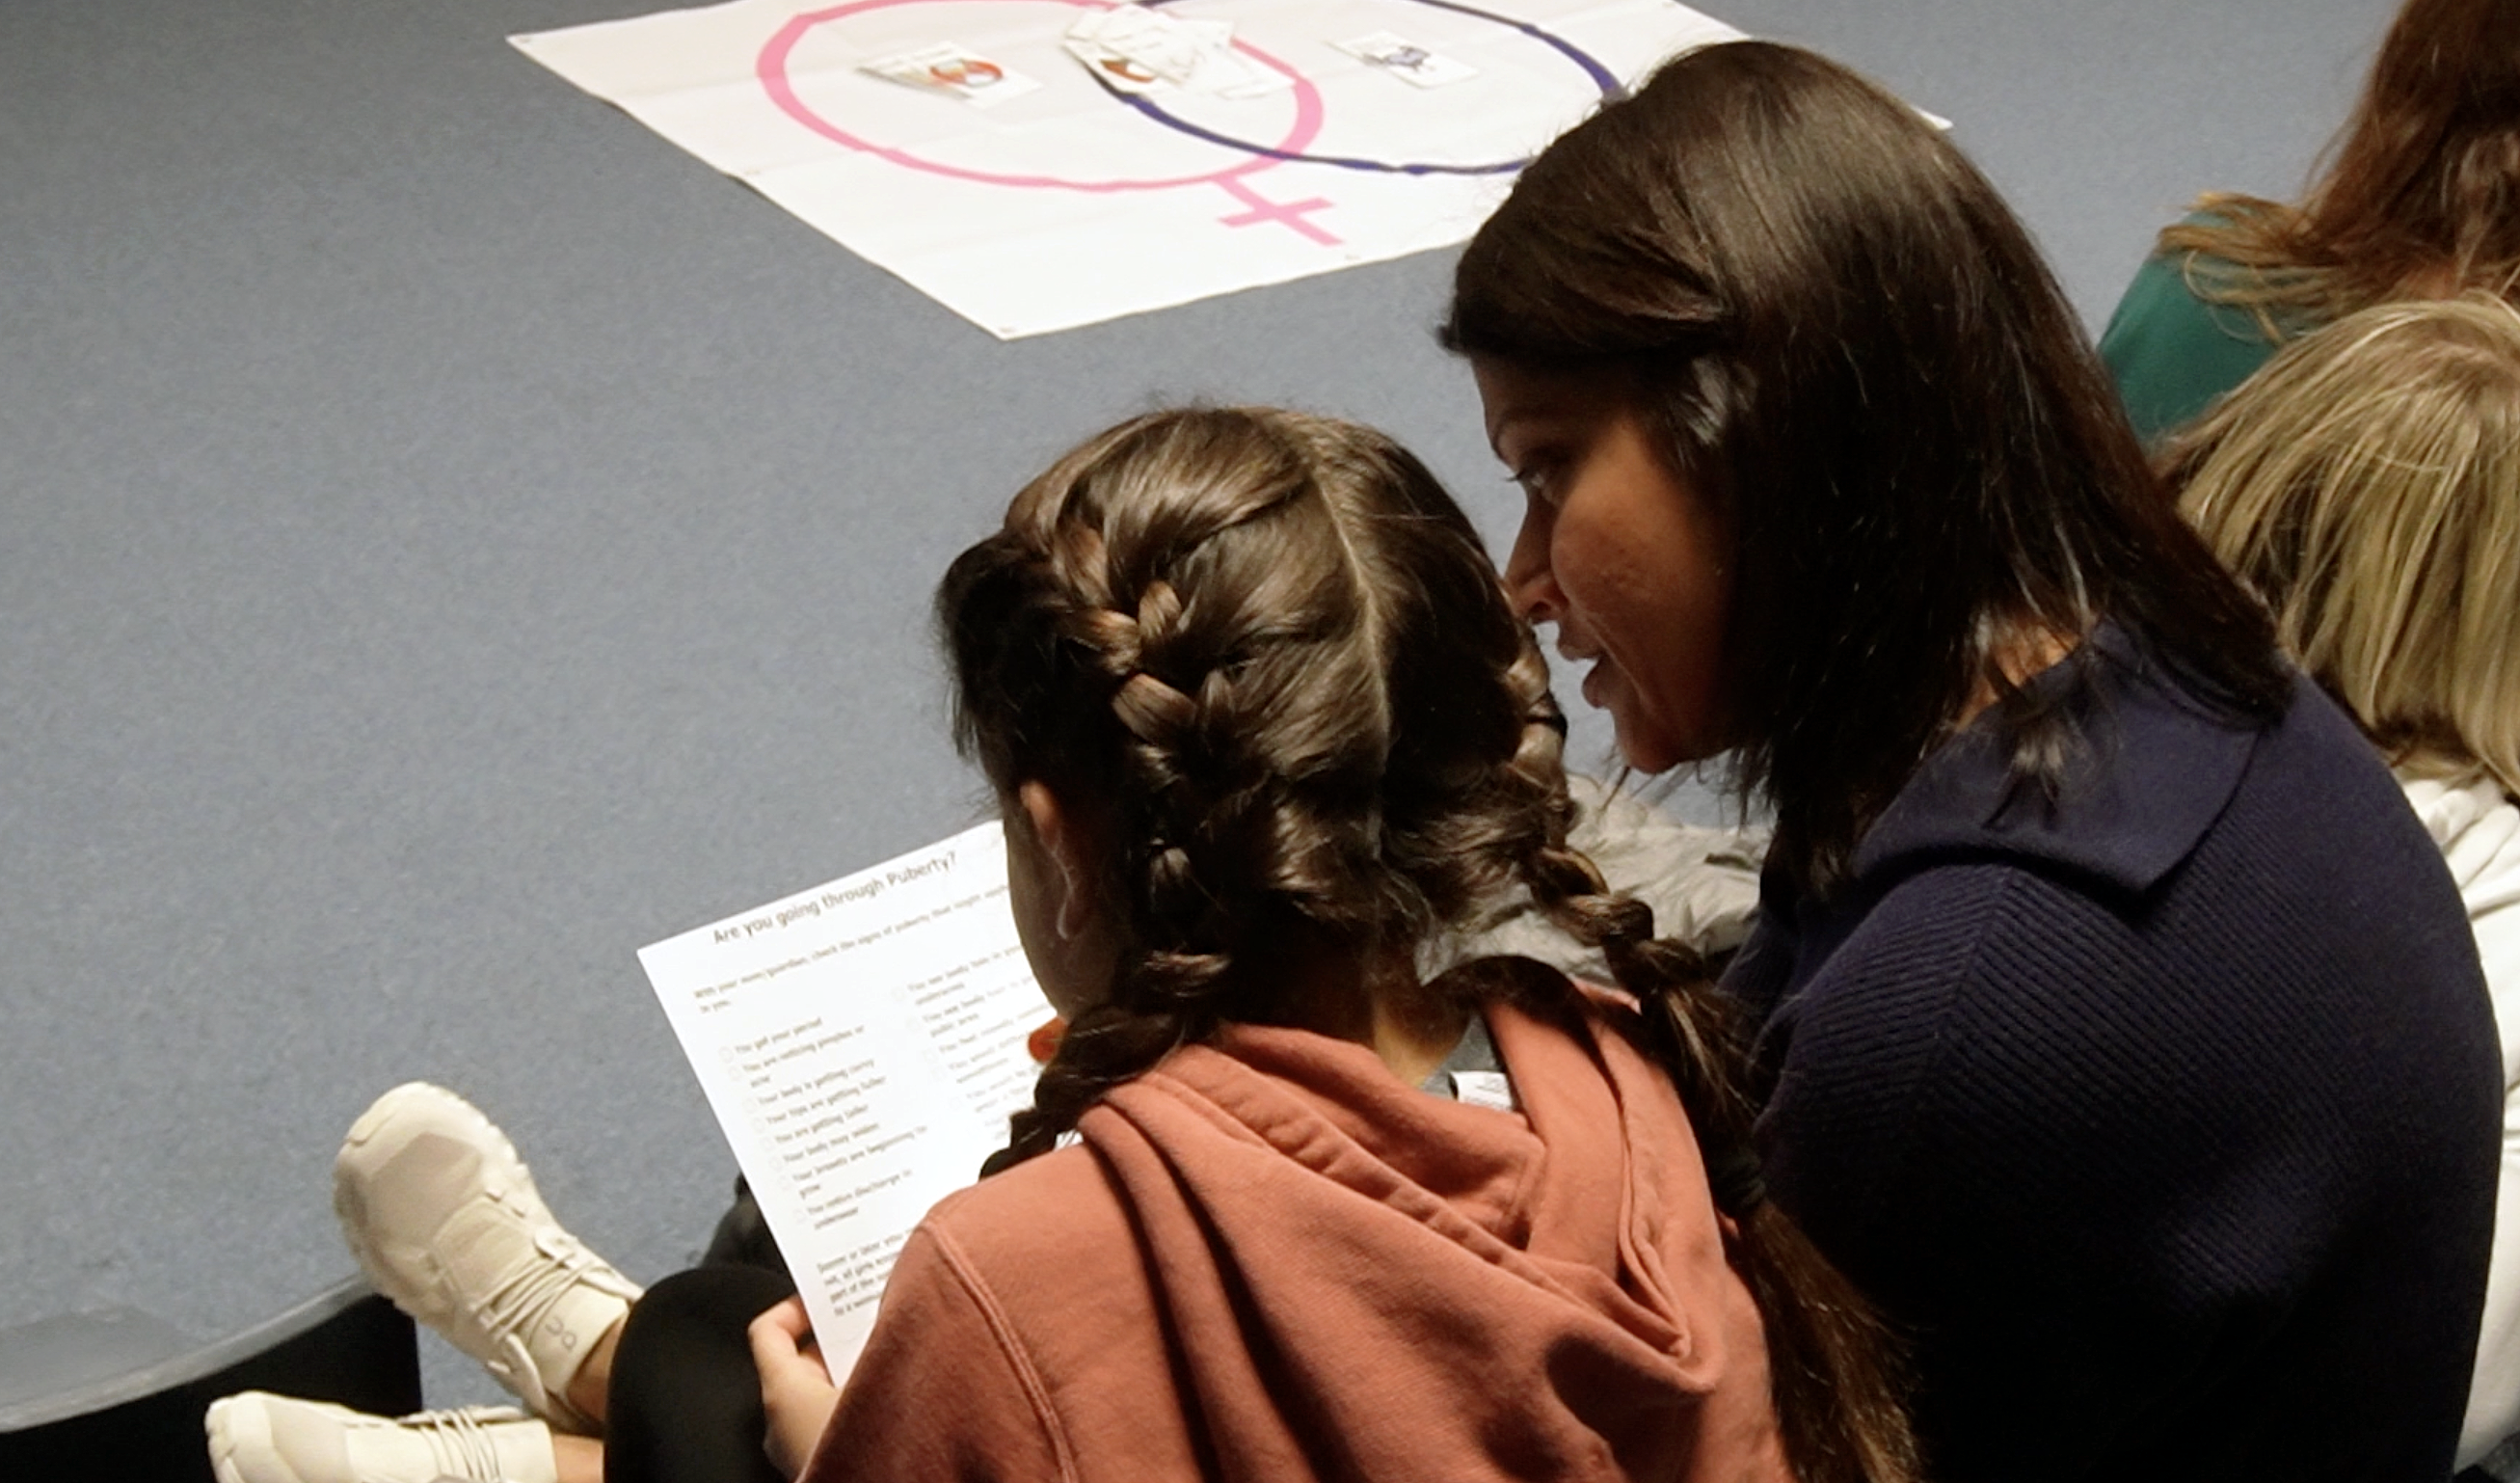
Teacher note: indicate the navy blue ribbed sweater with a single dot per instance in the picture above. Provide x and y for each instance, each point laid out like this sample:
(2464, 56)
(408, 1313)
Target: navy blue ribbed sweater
(2163, 1117)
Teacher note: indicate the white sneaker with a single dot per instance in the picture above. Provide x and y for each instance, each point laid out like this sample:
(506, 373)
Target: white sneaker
(261, 1438)
(446, 1221)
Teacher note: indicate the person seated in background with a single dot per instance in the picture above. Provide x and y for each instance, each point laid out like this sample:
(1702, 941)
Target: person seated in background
(2366, 484)
(2422, 201)
(1264, 731)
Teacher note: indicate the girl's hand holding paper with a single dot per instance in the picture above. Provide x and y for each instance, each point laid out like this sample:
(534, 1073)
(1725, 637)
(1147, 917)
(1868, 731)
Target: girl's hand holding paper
(796, 1390)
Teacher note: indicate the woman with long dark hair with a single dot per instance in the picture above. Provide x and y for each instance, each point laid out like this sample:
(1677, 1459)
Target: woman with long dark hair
(2117, 1028)
(2421, 199)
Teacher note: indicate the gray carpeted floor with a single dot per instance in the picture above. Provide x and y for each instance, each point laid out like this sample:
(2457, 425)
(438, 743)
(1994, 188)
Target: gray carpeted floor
(454, 538)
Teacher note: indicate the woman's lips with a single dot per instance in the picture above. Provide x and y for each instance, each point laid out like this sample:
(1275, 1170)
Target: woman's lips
(1577, 651)
(1585, 653)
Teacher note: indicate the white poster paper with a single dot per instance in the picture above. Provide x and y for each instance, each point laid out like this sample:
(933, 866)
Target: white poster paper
(1147, 168)
(861, 1044)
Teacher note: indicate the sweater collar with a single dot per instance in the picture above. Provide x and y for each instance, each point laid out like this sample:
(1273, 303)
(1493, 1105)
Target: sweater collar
(2149, 771)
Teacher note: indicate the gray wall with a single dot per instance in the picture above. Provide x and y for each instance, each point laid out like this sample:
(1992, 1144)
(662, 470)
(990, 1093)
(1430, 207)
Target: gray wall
(454, 538)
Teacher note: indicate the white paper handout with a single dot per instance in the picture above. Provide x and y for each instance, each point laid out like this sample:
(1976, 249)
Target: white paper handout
(861, 1044)
(1167, 150)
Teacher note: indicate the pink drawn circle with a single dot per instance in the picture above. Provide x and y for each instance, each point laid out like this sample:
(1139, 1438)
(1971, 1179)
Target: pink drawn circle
(772, 69)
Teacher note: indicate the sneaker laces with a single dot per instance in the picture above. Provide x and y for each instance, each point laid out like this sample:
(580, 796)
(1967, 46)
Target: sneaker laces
(459, 1446)
(531, 1287)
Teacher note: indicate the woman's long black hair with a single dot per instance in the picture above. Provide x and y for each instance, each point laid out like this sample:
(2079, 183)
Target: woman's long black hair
(1846, 338)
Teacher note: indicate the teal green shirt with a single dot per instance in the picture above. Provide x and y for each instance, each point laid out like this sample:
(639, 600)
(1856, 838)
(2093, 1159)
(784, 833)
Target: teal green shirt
(2174, 353)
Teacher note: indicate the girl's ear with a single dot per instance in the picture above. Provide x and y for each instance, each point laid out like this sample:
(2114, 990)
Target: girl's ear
(1063, 842)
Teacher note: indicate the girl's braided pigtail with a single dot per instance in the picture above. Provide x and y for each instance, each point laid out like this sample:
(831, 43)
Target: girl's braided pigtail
(1840, 1392)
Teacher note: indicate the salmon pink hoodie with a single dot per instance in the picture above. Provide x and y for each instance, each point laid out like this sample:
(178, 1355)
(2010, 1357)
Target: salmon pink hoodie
(1269, 1258)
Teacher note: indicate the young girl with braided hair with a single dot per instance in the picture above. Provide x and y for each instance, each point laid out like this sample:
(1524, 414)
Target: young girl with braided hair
(1266, 732)
(1271, 747)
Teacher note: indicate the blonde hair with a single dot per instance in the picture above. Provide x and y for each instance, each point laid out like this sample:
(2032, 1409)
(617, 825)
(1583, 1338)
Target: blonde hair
(2366, 484)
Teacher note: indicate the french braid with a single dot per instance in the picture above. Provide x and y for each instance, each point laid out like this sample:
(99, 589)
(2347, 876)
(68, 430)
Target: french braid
(1839, 1386)
(1271, 656)
(1203, 637)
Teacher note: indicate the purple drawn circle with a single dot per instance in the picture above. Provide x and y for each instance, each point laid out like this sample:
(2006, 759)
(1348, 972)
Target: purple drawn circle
(1601, 78)
(771, 66)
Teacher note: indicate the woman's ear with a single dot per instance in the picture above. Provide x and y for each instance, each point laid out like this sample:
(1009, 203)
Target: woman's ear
(1063, 844)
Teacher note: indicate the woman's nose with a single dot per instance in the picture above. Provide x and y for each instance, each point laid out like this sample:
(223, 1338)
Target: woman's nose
(1528, 581)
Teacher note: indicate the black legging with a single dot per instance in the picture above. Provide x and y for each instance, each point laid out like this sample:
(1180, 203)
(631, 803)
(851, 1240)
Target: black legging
(685, 1406)
(685, 1403)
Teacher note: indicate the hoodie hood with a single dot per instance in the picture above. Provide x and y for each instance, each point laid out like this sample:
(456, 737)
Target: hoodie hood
(1368, 1281)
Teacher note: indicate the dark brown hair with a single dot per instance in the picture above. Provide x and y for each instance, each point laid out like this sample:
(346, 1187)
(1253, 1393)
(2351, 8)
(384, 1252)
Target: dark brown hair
(1269, 653)
(1845, 337)
(2421, 199)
